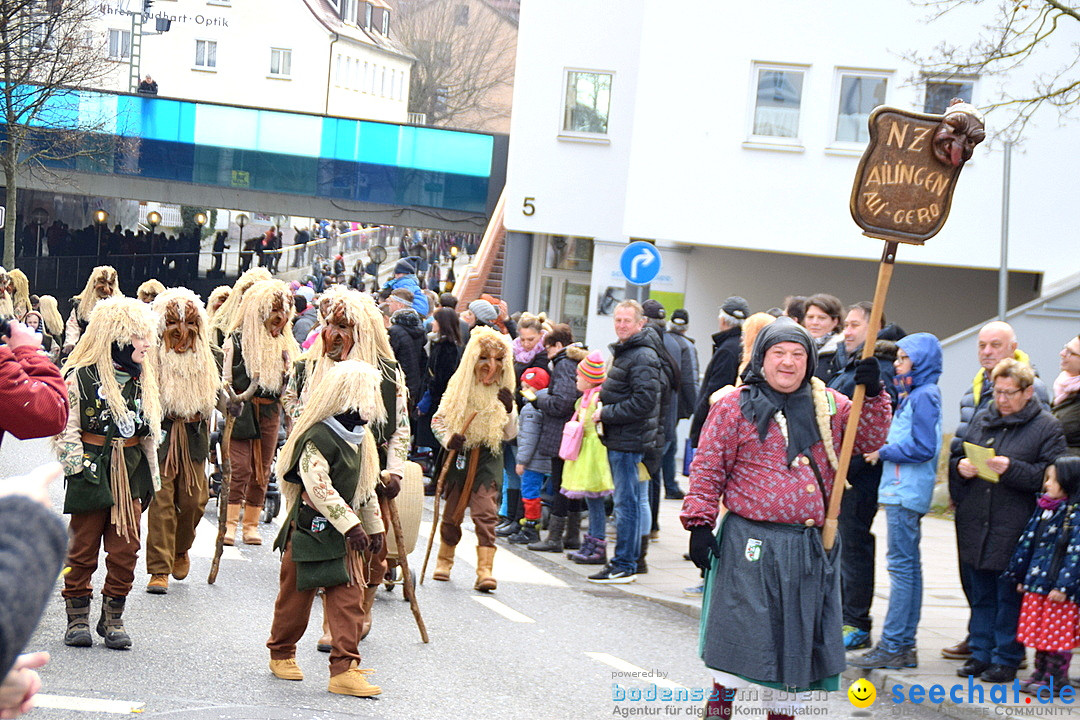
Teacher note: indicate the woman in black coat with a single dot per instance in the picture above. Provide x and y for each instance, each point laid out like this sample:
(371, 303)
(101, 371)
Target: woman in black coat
(443, 358)
(991, 513)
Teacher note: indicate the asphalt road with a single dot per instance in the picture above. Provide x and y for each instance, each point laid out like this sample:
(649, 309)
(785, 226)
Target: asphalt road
(544, 645)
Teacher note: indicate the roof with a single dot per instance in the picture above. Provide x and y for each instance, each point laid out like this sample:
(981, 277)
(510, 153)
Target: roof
(329, 17)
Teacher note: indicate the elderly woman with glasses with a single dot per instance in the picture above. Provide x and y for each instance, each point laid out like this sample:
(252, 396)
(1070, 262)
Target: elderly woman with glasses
(993, 501)
(1067, 395)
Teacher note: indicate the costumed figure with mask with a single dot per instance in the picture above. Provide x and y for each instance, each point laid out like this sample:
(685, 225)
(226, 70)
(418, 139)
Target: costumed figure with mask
(226, 315)
(7, 295)
(481, 394)
(109, 453)
(768, 451)
(149, 291)
(21, 300)
(331, 468)
(352, 329)
(101, 284)
(189, 383)
(259, 345)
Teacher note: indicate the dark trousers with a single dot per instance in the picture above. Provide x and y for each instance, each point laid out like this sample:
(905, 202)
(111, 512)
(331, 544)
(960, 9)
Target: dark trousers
(858, 507)
(561, 505)
(667, 467)
(995, 612)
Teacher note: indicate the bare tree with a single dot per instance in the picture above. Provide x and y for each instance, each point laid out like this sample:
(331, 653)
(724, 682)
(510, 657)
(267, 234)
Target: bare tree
(465, 52)
(1021, 32)
(46, 51)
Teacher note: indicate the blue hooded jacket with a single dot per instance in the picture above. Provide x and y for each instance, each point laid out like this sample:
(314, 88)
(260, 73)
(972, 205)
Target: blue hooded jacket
(909, 457)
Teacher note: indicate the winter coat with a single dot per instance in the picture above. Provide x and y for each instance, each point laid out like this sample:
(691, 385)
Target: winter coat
(826, 354)
(530, 420)
(1068, 414)
(557, 405)
(909, 456)
(410, 283)
(30, 383)
(688, 370)
(1045, 537)
(723, 369)
(631, 394)
(991, 515)
(304, 322)
(670, 380)
(407, 339)
(974, 401)
(442, 362)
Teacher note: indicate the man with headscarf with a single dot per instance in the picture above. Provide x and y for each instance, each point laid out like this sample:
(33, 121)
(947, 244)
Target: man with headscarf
(480, 393)
(108, 450)
(189, 383)
(769, 451)
(259, 348)
(101, 284)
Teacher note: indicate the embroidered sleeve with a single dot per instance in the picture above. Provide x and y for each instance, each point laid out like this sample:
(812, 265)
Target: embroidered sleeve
(371, 517)
(227, 359)
(397, 447)
(150, 448)
(315, 473)
(68, 444)
(290, 399)
(439, 429)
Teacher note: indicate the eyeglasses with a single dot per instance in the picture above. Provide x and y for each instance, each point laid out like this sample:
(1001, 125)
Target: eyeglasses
(1006, 393)
(1069, 352)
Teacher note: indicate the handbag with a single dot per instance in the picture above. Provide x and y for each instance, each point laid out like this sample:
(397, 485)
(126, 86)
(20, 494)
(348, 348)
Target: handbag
(572, 434)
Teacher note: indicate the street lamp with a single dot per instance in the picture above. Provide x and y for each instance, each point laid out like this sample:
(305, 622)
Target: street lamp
(241, 221)
(200, 220)
(101, 218)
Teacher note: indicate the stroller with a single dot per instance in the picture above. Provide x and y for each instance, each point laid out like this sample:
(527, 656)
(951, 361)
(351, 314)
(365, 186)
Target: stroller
(272, 503)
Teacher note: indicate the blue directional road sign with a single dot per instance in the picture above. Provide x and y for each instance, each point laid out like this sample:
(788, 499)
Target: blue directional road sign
(640, 262)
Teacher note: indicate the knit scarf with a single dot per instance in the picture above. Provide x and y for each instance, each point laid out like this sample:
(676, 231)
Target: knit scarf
(1049, 503)
(521, 355)
(1064, 386)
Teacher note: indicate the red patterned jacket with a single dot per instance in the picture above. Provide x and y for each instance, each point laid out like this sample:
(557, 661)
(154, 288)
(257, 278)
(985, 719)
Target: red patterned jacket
(753, 478)
(33, 395)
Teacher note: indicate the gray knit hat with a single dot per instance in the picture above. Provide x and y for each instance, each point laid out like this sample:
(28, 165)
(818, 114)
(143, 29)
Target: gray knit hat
(483, 310)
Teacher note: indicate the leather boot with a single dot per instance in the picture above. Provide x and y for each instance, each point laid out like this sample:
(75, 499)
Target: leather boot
(959, 651)
(485, 558)
(642, 566)
(554, 542)
(369, 604)
(445, 562)
(323, 645)
(572, 538)
(111, 624)
(251, 526)
(720, 702)
(513, 513)
(78, 628)
(232, 518)
(181, 566)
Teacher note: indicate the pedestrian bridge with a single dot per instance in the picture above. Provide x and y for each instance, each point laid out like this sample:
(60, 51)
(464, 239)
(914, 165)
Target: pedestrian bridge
(293, 163)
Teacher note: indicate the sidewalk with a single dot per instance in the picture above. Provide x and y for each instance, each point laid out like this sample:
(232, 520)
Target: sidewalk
(943, 623)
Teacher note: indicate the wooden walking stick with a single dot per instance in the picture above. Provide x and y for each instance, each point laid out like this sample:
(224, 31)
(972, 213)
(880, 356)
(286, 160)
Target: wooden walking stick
(450, 457)
(226, 465)
(902, 194)
(403, 561)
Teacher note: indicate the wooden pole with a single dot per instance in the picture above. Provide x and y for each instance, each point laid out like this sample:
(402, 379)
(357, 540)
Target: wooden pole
(450, 457)
(885, 270)
(403, 561)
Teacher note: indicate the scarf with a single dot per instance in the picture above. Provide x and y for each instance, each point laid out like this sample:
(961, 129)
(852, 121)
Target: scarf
(121, 357)
(1048, 503)
(760, 403)
(980, 377)
(1064, 386)
(902, 383)
(521, 355)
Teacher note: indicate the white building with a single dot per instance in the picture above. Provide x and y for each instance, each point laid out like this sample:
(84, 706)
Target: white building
(331, 57)
(729, 134)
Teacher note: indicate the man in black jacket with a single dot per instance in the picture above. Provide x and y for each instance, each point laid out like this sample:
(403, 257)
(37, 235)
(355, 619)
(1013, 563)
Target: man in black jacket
(407, 339)
(628, 404)
(723, 368)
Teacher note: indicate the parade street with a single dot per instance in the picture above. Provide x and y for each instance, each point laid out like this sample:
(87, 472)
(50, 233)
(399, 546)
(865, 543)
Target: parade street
(544, 645)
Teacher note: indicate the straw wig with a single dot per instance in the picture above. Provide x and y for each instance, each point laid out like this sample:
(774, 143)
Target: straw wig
(264, 355)
(50, 313)
(465, 396)
(88, 298)
(188, 382)
(230, 310)
(117, 320)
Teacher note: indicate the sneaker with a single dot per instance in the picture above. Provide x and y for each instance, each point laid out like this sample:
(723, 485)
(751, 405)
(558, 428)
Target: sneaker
(693, 592)
(879, 657)
(286, 669)
(611, 576)
(855, 639)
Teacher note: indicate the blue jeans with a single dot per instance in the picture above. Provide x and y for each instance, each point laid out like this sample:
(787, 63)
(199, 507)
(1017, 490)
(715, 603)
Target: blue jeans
(597, 517)
(628, 497)
(644, 509)
(905, 578)
(995, 612)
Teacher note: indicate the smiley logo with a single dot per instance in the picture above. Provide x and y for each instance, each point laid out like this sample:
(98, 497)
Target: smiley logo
(862, 693)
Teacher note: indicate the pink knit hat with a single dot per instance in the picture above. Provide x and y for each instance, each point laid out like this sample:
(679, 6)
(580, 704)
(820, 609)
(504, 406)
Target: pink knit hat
(593, 368)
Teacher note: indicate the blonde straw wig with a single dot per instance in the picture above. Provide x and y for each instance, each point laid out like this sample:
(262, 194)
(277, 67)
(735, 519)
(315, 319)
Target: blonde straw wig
(264, 355)
(88, 298)
(465, 396)
(188, 382)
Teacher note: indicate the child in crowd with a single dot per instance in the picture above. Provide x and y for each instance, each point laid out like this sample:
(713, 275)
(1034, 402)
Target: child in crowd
(589, 476)
(1046, 569)
(908, 472)
(532, 469)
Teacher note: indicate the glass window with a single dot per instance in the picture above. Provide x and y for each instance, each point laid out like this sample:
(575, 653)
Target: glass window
(940, 93)
(859, 94)
(280, 62)
(367, 15)
(119, 44)
(569, 253)
(777, 104)
(206, 53)
(348, 11)
(545, 294)
(588, 102)
(386, 23)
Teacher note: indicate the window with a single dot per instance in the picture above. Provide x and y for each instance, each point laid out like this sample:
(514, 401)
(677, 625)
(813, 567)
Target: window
(337, 70)
(386, 23)
(382, 81)
(119, 44)
(859, 94)
(367, 15)
(587, 102)
(348, 11)
(280, 62)
(461, 15)
(939, 93)
(206, 53)
(777, 101)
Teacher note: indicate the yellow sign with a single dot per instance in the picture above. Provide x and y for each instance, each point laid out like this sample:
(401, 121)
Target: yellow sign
(862, 693)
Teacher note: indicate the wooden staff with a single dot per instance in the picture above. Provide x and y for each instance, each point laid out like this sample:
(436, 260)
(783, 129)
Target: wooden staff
(470, 479)
(226, 466)
(885, 270)
(403, 561)
(450, 457)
